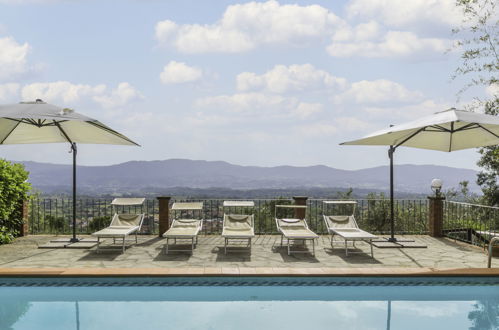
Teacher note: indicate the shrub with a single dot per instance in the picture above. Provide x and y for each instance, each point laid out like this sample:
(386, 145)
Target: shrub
(14, 189)
(98, 223)
(55, 224)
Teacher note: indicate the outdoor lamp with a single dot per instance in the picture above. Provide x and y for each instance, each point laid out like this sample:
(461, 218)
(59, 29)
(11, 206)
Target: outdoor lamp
(436, 186)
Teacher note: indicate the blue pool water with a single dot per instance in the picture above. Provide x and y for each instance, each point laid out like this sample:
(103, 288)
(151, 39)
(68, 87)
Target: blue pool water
(249, 303)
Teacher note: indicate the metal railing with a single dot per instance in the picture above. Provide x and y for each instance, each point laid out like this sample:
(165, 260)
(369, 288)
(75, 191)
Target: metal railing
(471, 223)
(53, 216)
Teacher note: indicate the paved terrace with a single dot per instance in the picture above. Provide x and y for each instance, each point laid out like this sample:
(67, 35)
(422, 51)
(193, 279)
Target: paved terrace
(267, 257)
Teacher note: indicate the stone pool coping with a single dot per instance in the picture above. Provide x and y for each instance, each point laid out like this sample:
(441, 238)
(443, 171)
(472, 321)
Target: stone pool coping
(246, 271)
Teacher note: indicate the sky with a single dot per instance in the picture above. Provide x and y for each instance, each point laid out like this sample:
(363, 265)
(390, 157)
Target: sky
(252, 83)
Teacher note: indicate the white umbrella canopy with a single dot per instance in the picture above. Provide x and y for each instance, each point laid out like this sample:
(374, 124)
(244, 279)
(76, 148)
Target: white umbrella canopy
(40, 122)
(449, 130)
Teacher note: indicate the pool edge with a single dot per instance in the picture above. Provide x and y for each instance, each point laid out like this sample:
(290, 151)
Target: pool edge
(247, 272)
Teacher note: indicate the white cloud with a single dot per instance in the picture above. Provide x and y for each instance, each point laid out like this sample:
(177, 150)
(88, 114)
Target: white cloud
(246, 26)
(13, 58)
(60, 91)
(391, 44)
(178, 72)
(407, 112)
(317, 130)
(9, 91)
(361, 32)
(306, 110)
(378, 91)
(120, 96)
(293, 78)
(351, 124)
(67, 93)
(407, 14)
(258, 105)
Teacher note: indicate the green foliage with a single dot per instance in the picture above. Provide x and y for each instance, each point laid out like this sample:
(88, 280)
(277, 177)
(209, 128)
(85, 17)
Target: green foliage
(489, 162)
(479, 47)
(14, 189)
(98, 223)
(462, 194)
(479, 42)
(6, 235)
(345, 194)
(56, 224)
(410, 215)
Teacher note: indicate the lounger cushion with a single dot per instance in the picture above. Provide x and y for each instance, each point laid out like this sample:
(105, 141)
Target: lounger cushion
(297, 228)
(296, 232)
(238, 221)
(353, 233)
(341, 221)
(227, 232)
(292, 223)
(183, 228)
(116, 231)
(129, 220)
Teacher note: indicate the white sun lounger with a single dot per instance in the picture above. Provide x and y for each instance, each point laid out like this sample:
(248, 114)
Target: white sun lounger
(122, 225)
(345, 226)
(238, 226)
(184, 228)
(294, 229)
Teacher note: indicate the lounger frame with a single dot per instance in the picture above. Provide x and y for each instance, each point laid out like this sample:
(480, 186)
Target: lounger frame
(130, 202)
(184, 206)
(289, 240)
(228, 205)
(121, 237)
(368, 238)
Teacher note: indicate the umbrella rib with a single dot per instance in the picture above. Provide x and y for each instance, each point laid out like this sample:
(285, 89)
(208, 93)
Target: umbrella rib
(497, 136)
(63, 132)
(409, 137)
(112, 132)
(440, 128)
(12, 130)
(468, 126)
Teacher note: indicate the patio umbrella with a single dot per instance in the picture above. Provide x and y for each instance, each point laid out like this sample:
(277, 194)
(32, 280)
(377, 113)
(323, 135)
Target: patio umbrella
(40, 122)
(449, 130)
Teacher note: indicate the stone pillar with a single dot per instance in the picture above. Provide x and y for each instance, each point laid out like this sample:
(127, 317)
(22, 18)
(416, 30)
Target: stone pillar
(300, 200)
(23, 213)
(436, 216)
(164, 214)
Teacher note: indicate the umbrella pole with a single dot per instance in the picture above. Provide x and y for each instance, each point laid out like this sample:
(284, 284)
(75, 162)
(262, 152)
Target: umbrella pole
(73, 150)
(392, 216)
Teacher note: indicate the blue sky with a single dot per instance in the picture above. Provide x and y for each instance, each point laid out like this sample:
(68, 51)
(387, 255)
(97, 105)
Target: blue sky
(253, 83)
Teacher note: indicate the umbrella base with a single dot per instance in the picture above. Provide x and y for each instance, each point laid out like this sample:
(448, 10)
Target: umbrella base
(65, 243)
(396, 243)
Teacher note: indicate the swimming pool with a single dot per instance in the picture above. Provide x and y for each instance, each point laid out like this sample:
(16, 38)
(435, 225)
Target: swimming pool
(249, 303)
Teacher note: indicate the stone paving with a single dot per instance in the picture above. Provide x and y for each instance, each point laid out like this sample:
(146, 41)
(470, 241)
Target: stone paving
(266, 252)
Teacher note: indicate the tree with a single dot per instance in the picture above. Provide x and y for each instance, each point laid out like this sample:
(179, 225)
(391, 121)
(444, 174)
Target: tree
(14, 189)
(479, 44)
(489, 162)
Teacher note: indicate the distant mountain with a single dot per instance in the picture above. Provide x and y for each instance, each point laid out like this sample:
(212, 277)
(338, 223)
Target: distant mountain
(143, 176)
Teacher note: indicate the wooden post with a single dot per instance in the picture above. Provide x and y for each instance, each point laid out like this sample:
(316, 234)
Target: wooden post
(436, 216)
(23, 212)
(300, 200)
(164, 214)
